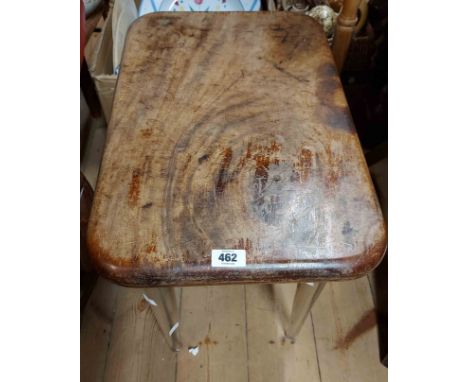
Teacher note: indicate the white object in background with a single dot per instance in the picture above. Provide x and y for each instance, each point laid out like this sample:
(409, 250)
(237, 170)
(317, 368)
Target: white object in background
(325, 16)
(123, 15)
(149, 6)
(193, 350)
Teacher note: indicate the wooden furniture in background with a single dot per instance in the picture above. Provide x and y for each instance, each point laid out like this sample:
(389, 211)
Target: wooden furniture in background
(87, 26)
(99, 53)
(346, 23)
(232, 131)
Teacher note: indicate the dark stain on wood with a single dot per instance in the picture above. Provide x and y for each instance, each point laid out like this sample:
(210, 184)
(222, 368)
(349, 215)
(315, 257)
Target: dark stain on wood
(274, 204)
(208, 341)
(223, 176)
(248, 155)
(147, 205)
(134, 191)
(289, 74)
(366, 323)
(187, 163)
(328, 88)
(271, 342)
(264, 151)
(337, 117)
(302, 169)
(327, 69)
(334, 168)
(262, 163)
(247, 244)
(275, 147)
(146, 133)
(203, 158)
(151, 248)
(305, 164)
(347, 229)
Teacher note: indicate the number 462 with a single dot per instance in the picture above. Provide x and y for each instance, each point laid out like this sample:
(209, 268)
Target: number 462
(229, 257)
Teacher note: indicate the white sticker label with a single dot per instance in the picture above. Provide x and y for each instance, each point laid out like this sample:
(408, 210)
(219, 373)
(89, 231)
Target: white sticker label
(228, 258)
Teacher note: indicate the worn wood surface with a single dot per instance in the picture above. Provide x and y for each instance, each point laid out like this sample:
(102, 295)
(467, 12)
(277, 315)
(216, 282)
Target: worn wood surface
(232, 131)
(241, 330)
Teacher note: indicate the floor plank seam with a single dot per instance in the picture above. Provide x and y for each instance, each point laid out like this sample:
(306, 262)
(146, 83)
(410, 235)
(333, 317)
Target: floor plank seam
(246, 333)
(111, 333)
(315, 343)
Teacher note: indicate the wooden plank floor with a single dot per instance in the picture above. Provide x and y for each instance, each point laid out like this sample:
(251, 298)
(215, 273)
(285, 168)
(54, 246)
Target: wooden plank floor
(238, 329)
(239, 333)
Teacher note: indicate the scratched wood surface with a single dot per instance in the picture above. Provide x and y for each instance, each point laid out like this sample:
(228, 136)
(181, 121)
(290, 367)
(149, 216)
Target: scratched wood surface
(239, 331)
(232, 131)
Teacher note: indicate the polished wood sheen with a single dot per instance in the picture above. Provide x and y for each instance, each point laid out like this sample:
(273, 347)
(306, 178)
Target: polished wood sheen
(231, 130)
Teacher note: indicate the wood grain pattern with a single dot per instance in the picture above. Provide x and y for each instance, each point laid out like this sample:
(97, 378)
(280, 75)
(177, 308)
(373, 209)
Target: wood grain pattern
(232, 131)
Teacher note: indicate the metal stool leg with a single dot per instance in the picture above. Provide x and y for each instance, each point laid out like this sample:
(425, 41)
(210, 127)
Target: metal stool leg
(173, 315)
(168, 301)
(305, 296)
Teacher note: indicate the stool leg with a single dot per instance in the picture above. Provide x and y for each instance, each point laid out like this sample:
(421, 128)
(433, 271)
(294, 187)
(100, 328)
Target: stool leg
(305, 296)
(167, 299)
(171, 305)
(174, 318)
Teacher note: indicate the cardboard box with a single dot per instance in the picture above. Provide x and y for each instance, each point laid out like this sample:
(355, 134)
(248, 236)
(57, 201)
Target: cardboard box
(98, 54)
(99, 58)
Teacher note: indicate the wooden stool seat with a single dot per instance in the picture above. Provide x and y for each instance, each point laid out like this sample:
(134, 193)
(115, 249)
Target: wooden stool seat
(232, 131)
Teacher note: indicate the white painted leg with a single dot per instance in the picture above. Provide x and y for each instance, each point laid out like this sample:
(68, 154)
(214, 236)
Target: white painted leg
(305, 296)
(168, 305)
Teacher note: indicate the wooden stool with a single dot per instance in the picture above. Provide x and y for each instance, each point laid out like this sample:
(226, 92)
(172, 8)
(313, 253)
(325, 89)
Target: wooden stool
(231, 140)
